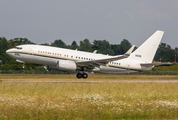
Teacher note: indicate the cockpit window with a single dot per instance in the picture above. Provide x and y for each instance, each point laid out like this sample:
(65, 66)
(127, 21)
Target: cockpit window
(19, 48)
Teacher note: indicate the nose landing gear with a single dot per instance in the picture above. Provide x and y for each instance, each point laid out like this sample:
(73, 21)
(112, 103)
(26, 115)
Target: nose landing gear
(80, 75)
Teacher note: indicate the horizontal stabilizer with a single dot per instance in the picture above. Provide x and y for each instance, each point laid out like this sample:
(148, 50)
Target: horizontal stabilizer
(156, 64)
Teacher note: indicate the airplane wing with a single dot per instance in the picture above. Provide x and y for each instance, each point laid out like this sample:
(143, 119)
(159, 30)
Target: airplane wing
(97, 63)
(156, 64)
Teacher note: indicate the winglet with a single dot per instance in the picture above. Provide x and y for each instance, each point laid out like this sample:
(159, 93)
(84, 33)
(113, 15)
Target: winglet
(95, 51)
(129, 51)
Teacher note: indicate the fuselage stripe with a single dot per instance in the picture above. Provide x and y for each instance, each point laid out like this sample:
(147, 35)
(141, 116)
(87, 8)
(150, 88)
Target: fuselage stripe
(62, 58)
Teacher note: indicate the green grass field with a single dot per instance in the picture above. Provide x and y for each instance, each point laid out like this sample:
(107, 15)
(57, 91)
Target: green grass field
(88, 100)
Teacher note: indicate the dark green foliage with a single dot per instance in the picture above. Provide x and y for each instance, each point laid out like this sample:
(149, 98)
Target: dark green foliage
(73, 46)
(85, 45)
(3, 47)
(174, 67)
(102, 46)
(18, 41)
(46, 44)
(165, 53)
(40, 68)
(59, 43)
(123, 47)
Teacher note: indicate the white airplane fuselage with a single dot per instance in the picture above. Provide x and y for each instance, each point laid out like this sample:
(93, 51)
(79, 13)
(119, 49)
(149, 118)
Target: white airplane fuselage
(46, 55)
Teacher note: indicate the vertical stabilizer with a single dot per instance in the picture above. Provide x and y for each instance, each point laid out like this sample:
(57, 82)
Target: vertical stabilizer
(146, 52)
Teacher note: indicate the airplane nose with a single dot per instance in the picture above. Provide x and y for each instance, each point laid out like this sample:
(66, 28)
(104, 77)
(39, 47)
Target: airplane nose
(7, 52)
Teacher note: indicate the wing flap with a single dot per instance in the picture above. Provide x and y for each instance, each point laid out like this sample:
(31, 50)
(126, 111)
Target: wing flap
(97, 63)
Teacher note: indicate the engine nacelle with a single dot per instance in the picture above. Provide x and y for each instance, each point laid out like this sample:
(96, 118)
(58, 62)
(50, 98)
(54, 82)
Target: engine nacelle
(66, 65)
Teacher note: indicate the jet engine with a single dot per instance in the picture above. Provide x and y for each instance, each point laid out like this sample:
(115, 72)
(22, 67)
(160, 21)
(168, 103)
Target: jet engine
(66, 65)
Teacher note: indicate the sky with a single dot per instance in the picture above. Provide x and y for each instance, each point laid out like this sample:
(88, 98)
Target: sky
(44, 21)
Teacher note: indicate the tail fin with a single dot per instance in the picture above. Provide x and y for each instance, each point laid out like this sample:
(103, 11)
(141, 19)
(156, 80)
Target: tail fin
(146, 52)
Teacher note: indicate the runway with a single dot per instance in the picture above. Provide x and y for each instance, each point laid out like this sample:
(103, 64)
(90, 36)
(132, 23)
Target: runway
(116, 81)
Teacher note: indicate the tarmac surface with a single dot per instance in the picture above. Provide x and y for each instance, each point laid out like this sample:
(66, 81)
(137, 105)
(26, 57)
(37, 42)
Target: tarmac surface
(116, 81)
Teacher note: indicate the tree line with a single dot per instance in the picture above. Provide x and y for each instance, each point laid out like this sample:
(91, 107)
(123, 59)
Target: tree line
(164, 53)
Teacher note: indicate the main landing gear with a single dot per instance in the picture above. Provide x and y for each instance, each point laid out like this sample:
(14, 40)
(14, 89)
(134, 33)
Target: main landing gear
(80, 75)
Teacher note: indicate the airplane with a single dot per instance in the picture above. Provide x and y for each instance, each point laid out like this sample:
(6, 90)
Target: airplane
(84, 62)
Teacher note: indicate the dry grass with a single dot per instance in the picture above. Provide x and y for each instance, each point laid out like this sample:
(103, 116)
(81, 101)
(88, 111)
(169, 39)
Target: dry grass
(88, 100)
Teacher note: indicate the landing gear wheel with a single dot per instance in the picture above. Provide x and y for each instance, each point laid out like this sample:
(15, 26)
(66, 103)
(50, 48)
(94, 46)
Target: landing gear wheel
(79, 75)
(85, 75)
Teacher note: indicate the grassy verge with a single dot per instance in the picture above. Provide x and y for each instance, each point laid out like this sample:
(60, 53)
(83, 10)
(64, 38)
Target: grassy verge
(92, 77)
(88, 100)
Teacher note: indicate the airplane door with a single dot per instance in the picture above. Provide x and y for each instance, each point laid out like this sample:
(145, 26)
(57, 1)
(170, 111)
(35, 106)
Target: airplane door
(31, 56)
